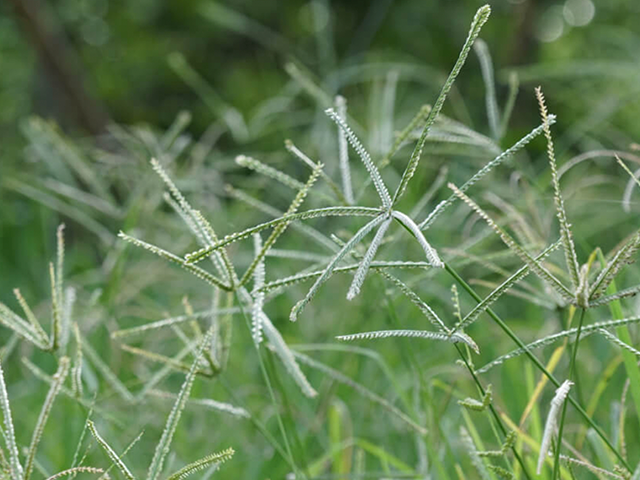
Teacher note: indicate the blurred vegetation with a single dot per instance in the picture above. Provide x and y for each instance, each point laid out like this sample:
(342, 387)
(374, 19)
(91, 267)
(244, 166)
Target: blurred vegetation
(91, 89)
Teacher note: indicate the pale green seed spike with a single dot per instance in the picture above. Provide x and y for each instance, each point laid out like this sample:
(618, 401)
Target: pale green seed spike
(14, 322)
(503, 288)
(167, 322)
(58, 381)
(113, 456)
(618, 342)
(343, 151)
(56, 312)
(220, 259)
(203, 253)
(76, 370)
(455, 299)
(257, 293)
(328, 271)
(550, 339)
(60, 263)
(193, 269)
(429, 251)
(201, 235)
(9, 432)
(482, 15)
(310, 232)
(282, 350)
(519, 145)
(533, 264)
(502, 472)
(417, 301)
(304, 276)
(565, 228)
(215, 458)
(486, 66)
(170, 362)
(162, 449)
(509, 442)
(204, 227)
(363, 268)
(361, 389)
(622, 258)
(74, 471)
(383, 193)
(33, 321)
(299, 154)
(268, 171)
(599, 472)
(280, 228)
(628, 170)
(475, 405)
(605, 299)
(551, 424)
(425, 334)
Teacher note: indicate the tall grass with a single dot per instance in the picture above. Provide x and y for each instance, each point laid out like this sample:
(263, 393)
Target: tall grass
(382, 376)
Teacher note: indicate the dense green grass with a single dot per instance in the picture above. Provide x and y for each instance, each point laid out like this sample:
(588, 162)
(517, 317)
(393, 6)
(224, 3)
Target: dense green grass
(461, 244)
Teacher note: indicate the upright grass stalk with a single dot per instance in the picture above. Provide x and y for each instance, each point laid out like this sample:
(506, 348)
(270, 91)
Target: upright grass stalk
(505, 328)
(493, 411)
(572, 366)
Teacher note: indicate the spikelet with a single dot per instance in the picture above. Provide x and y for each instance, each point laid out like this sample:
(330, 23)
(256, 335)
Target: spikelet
(363, 268)
(475, 405)
(429, 251)
(258, 294)
(364, 156)
(328, 271)
(425, 334)
(113, 456)
(198, 255)
(565, 228)
(214, 458)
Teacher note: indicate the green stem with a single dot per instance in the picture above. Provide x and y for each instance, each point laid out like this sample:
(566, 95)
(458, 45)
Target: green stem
(572, 366)
(493, 410)
(536, 362)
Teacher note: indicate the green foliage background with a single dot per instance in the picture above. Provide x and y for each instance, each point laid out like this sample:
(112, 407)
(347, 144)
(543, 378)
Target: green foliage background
(125, 54)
